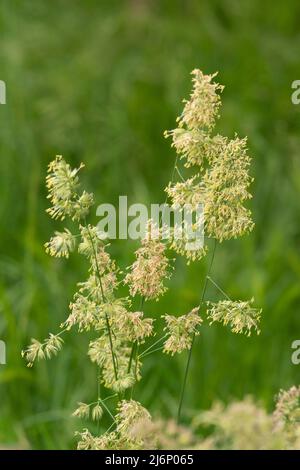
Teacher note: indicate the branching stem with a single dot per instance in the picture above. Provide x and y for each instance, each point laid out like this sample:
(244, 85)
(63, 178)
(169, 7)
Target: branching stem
(103, 299)
(187, 367)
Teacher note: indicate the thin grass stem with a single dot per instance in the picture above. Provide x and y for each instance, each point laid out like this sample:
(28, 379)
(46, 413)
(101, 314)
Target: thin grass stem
(187, 367)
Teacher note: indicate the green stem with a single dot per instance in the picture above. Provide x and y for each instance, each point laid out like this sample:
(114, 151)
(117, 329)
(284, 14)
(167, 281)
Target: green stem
(103, 299)
(187, 367)
(137, 345)
(150, 352)
(131, 357)
(218, 287)
(152, 345)
(179, 173)
(136, 351)
(108, 410)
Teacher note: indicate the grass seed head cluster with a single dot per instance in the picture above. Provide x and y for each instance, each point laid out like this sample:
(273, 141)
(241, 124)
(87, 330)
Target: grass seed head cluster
(220, 183)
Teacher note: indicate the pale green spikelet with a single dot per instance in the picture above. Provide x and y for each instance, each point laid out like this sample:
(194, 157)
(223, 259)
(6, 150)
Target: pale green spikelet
(180, 331)
(239, 315)
(61, 245)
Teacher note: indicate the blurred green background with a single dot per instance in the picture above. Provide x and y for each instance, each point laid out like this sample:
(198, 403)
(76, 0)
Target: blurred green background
(99, 82)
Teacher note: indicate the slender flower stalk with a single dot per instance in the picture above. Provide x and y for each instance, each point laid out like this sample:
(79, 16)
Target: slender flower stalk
(187, 367)
(104, 300)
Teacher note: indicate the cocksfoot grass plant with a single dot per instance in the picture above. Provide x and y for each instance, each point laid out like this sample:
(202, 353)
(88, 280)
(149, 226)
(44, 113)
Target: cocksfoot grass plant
(221, 184)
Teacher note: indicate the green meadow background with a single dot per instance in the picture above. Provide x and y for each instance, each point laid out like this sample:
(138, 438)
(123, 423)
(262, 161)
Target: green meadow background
(99, 82)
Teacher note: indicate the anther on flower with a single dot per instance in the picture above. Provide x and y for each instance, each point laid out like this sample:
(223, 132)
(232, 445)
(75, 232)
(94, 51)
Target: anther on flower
(103, 278)
(108, 441)
(240, 315)
(123, 383)
(130, 412)
(188, 193)
(37, 350)
(53, 344)
(82, 206)
(195, 146)
(183, 244)
(151, 267)
(287, 411)
(134, 327)
(181, 330)
(201, 111)
(61, 245)
(62, 182)
(85, 313)
(83, 411)
(97, 412)
(90, 241)
(95, 287)
(124, 379)
(34, 351)
(87, 440)
(100, 353)
(226, 190)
